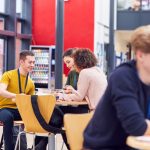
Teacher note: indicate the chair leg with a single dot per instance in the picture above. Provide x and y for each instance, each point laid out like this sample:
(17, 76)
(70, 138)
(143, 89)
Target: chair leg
(34, 136)
(51, 142)
(62, 146)
(18, 140)
(48, 142)
(1, 143)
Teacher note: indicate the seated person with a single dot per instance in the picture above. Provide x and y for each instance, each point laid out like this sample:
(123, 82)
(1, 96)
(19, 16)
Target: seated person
(14, 82)
(72, 80)
(125, 107)
(92, 81)
(91, 85)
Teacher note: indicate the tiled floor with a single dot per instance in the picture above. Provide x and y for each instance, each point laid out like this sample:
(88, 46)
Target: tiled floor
(29, 141)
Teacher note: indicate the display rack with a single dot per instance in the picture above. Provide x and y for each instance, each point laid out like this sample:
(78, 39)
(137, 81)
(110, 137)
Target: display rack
(43, 73)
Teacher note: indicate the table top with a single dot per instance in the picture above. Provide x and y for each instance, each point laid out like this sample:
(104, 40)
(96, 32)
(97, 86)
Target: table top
(139, 142)
(61, 102)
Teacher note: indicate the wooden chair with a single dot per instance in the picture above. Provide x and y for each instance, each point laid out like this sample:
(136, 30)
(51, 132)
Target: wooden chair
(46, 104)
(74, 126)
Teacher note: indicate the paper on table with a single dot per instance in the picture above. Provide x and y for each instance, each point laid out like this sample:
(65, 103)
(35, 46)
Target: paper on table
(143, 138)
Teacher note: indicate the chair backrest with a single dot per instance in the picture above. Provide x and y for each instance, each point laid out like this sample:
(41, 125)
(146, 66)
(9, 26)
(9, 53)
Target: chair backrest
(46, 105)
(74, 125)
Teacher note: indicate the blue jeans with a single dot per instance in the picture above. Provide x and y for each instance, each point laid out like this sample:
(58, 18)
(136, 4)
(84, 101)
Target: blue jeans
(7, 116)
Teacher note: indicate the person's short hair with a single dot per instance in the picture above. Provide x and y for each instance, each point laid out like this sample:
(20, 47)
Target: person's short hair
(25, 53)
(69, 52)
(140, 39)
(84, 58)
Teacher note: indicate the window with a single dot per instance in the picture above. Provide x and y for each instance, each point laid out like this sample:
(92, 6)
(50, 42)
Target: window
(18, 48)
(19, 8)
(2, 6)
(1, 23)
(15, 28)
(2, 57)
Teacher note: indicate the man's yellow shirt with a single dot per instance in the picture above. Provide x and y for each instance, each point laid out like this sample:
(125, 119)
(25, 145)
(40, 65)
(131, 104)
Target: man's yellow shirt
(10, 78)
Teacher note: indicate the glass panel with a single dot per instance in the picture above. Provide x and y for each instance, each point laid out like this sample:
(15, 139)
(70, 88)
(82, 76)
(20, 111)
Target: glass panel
(2, 69)
(19, 26)
(145, 4)
(18, 48)
(1, 23)
(123, 4)
(2, 6)
(19, 8)
(133, 5)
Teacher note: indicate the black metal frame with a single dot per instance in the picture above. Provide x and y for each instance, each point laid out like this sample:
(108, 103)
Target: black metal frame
(59, 43)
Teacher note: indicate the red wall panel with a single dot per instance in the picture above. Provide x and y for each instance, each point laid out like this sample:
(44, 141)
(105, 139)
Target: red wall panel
(78, 23)
(43, 21)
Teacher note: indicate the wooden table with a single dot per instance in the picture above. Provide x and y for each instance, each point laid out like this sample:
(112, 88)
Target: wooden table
(72, 103)
(138, 143)
(62, 102)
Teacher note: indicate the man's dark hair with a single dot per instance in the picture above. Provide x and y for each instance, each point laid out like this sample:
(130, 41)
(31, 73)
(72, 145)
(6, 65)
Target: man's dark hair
(25, 53)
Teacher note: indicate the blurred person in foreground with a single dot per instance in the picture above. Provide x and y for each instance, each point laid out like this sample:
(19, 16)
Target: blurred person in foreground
(14, 82)
(125, 107)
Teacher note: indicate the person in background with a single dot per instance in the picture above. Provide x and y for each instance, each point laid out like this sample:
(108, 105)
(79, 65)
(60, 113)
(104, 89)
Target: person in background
(72, 81)
(92, 81)
(125, 107)
(136, 5)
(14, 82)
(72, 78)
(91, 84)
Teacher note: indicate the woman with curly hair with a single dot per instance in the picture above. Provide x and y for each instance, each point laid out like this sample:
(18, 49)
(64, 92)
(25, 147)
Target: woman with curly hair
(92, 80)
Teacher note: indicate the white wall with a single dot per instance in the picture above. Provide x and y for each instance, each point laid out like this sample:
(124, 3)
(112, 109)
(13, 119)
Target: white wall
(18, 6)
(101, 30)
(101, 21)
(2, 8)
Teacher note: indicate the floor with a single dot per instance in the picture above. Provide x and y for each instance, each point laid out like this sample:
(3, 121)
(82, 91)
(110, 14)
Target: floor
(59, 141)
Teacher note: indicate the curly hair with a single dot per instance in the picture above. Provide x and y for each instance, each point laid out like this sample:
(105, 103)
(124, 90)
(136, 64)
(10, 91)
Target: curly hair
(84, 58)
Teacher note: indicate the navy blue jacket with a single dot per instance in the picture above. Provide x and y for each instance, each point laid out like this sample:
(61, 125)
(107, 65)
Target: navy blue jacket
(121, 111)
